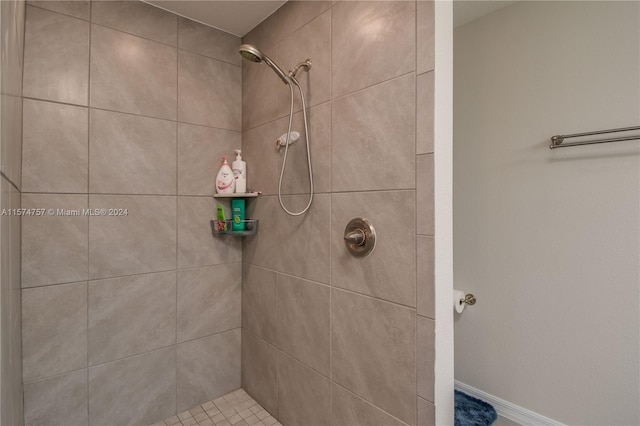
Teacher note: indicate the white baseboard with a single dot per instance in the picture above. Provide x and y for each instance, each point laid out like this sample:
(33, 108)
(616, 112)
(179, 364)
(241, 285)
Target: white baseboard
(507, 409)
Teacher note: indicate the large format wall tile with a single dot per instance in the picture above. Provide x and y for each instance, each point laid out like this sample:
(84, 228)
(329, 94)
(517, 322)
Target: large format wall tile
(200, 152)
(296, 240)
(306, 237)
(372, 42)
(209, 92)
(7, 251)
(54, 330)
(261, 90)
(12, 25)
(208, 41)
(296, 173)
(259, 302)
(425, 36)
(303, 322)
(294, 14)
(349, 409)
(208, 368)
(131, 154)
(12, 138)
(142, 241)
(5, 288)
(60, 400)
(56, 57)
(265, 35)
(373, 343)
(389, 272)
(313, 41)
(264, 162)
(424, 113)
(54, 248)
(426, 353)
(127, 71)
(55, 148)
(373, 137)
(131, 315)
(259, 371)
(196, 245)
(426, 413)
(304, 396)
(259, 249)
(209, 300)
(77, 8)
(137, 18)
(12, 331)
(425, 303)
(424, 195)
(137, 390)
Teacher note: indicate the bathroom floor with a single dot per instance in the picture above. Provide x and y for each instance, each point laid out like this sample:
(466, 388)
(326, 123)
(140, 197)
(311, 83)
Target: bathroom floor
(235, 408)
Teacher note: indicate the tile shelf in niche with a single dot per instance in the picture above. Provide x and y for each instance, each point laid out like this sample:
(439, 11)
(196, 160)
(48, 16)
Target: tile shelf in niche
(250, 228)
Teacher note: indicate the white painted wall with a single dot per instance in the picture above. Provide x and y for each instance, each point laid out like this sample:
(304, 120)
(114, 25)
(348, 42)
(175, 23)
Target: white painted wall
(549, 241)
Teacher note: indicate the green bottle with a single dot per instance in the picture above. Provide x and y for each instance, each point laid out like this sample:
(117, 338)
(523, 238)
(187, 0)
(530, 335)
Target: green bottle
(237, 211)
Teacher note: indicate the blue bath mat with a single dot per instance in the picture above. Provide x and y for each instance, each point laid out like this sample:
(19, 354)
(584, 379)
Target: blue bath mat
(471, 411)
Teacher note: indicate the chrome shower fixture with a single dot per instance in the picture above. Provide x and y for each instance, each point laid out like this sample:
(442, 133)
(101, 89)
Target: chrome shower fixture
(306, 65)
(251, 53)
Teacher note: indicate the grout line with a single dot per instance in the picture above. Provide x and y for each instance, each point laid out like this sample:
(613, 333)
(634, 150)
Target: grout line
(161, 348)
(334, 287)
(57, 375)
(30, 98)
(278, 307)
(331, 378)
(356, 191)
(209, 57)
(88, 115)
(37, 6)
(415, 210)
(177, 200)
(10, 182)
(112, 194)
(369, 402)
(97, 280)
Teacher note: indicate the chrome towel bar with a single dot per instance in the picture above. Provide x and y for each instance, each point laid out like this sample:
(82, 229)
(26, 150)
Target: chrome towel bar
(558, 140)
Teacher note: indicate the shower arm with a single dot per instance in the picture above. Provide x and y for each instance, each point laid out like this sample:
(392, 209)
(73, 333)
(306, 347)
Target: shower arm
(305, 64)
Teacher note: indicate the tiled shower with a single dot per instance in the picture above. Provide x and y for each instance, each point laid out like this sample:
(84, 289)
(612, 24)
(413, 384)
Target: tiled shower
(132, 318)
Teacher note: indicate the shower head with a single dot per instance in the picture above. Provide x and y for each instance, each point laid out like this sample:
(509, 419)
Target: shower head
(251, 53)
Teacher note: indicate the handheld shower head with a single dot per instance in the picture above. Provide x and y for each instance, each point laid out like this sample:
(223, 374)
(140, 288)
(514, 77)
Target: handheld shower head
(251, 53)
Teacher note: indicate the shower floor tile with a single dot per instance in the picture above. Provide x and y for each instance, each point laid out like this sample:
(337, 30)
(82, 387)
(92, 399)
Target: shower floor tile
(235, 408)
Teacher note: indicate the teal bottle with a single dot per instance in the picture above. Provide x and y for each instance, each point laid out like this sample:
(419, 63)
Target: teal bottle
(237, 211)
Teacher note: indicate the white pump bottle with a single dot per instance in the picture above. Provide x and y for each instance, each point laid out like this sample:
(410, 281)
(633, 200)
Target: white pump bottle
(239, 168)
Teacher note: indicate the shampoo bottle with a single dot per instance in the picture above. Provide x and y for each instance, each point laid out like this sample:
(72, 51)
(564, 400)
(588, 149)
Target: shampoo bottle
(239, 168)
(225, 183)
(237, 209)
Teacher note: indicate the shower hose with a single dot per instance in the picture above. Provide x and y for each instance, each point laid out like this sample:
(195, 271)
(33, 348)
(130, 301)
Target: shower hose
(286, 149)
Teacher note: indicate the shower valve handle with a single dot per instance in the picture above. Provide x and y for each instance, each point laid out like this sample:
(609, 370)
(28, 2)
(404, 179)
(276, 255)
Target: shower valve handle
(359, 237)
(356, 237)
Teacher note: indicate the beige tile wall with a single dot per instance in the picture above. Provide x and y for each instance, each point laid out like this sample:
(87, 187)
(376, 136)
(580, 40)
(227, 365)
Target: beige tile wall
(329, 338)
(12, 16)
(128, 106)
